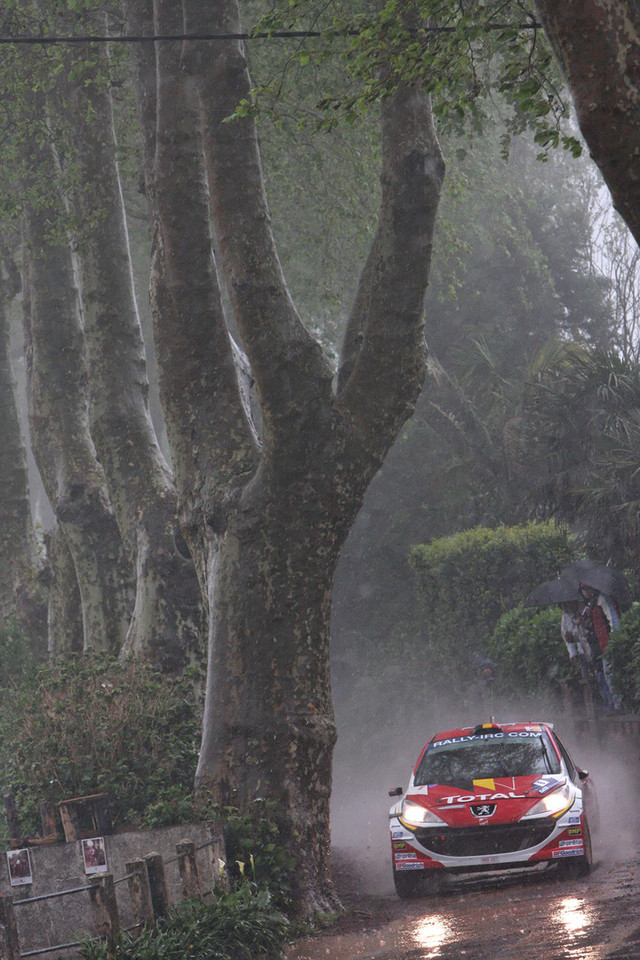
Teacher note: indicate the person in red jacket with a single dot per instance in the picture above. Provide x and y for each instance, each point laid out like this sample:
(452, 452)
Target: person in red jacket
(597, 622)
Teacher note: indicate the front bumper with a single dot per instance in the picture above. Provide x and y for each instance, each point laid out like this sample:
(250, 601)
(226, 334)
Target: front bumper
(488, 846)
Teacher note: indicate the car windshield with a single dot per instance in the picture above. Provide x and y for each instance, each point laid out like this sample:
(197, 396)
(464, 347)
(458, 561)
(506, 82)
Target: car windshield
(458, 761)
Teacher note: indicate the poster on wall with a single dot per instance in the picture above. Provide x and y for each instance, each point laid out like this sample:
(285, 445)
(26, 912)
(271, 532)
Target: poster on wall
(94, 855)
(19, 867)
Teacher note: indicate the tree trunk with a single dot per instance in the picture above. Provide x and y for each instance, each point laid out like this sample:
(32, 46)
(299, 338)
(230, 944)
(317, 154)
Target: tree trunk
(168, 616)
(269, 728)
(597, 43)
(21, 564)
(58, 416)
(197, 373)
(271, 516)
(65, 605)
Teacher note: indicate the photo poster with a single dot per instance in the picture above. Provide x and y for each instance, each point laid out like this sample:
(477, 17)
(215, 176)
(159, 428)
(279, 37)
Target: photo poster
(94, 855)
(20, 871)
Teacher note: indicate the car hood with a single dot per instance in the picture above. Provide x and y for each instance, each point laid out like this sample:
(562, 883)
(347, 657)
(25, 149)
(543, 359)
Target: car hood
(503, 799)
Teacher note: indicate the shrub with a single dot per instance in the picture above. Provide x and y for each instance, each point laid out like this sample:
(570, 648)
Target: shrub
(467, 581)
(528, 652)
(257, 850)
(623, 653)
(92, 724)
(16, 655)
(242, 925)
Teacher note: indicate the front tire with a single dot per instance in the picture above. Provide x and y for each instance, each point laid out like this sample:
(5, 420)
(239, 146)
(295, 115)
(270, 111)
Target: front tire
(580, 866)
(418, 883)
(407, 884)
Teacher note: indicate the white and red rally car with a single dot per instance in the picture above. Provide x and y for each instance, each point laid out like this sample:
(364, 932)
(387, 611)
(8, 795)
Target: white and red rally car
(490, 797)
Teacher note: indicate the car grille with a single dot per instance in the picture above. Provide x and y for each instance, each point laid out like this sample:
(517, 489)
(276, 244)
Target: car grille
(480, 841)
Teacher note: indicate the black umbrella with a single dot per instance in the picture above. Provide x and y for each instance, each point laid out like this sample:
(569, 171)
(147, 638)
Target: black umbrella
(560, 590)
(601, 577)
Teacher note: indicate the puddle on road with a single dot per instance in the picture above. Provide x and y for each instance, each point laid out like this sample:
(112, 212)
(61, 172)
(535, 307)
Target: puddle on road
(573, 915)
(424, 933)
(432, 933)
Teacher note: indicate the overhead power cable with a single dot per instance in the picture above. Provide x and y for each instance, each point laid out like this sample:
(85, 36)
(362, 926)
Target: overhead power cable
(270, 35)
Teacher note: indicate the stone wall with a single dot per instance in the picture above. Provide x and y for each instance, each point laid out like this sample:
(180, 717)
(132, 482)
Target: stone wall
(60, 866)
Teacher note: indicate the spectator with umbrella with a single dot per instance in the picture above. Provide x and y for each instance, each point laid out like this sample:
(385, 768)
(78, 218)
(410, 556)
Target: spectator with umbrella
(604, 590)
(564, 592)
(575, 636)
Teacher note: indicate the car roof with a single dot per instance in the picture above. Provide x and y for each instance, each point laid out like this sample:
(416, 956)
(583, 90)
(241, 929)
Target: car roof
(517, 726)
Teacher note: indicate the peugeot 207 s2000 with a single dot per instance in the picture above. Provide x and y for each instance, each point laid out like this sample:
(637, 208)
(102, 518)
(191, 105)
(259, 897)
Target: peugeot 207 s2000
(488, 798)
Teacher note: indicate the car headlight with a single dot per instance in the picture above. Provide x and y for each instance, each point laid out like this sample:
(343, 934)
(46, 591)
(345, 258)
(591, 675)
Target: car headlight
(414, 815)
(553, 804)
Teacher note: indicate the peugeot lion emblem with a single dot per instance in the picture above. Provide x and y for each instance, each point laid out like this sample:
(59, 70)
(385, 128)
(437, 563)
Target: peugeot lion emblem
(483, 809)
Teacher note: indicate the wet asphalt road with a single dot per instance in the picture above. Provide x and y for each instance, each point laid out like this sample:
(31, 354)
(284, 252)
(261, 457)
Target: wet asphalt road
(514, 918)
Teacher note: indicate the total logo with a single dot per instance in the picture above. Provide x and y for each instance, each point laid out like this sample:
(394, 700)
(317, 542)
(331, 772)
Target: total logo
(482, 797)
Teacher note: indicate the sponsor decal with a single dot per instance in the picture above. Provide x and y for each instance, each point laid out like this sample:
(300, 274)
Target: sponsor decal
(567, 853)
(489, 784)
(512, 735)
(544, 784)
(574, 831)
(570, 843)
(399, 845)
(574, 819)
(410, 866)
(399, 834)
(405, 856)
(483, 797)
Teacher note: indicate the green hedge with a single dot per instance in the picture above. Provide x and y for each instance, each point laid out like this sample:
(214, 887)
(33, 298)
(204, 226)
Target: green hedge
(528, 652)
(467, 581)
(623, 653)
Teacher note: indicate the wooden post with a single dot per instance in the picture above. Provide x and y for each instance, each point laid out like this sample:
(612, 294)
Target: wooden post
(12, 820)
(158, 884)
(188, 865)
(103, 900)
(48, 818)
(9, 945)
(140, 893)
(69, 817)
(102, 815)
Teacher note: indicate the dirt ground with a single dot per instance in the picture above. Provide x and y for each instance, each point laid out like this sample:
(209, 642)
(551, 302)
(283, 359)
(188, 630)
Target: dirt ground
(513, 917)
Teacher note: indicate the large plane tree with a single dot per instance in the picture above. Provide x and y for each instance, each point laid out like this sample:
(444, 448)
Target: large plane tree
(267, 510)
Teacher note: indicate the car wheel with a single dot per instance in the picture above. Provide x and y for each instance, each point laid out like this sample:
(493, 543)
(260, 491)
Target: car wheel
(579, 866)
(417, 884)
(407, 884)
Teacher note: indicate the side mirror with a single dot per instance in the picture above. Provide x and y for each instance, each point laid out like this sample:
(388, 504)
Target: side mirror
(583, 774)
(396, 792)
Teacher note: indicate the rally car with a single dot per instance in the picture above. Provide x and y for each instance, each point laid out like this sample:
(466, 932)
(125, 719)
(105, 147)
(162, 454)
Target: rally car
(490, 797)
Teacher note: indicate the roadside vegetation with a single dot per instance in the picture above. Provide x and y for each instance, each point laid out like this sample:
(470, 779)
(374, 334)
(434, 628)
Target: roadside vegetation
(92, 724)
(241, 925)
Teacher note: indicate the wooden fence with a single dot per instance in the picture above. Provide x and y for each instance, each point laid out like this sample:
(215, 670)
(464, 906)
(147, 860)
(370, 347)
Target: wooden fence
(148, 895)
